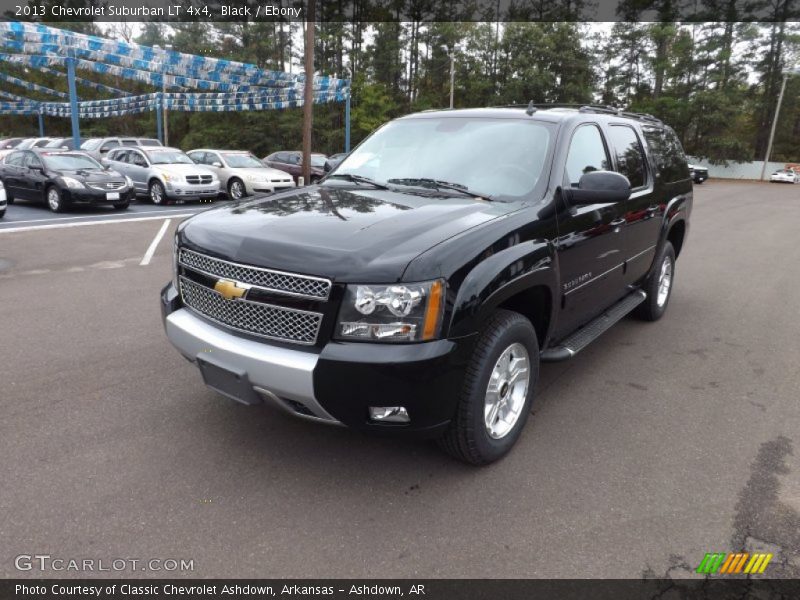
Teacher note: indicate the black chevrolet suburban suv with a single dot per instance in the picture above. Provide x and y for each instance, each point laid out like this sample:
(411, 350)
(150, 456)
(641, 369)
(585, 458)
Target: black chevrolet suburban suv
(418, 286)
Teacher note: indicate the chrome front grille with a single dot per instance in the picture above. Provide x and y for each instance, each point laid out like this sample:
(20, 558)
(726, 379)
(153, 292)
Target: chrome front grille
(197, 179)
(291, 284)
(108, 186)
(257, 318)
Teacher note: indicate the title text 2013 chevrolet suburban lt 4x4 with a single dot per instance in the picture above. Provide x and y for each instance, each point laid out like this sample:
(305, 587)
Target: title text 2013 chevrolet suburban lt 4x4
(417, 287)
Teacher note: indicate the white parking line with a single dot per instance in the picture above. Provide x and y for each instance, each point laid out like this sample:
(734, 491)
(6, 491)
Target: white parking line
(102, 217)
(82, 223)
(154, 244)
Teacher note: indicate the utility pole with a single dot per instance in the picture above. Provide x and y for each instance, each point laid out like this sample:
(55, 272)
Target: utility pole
(308, 95)
(452, 55)
(775, 119)
(163, 94)
(452, 76)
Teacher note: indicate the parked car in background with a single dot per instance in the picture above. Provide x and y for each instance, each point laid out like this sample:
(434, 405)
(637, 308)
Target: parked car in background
(164, 173)
(29, 143)
(61, 143)
(784, 176)
(333, 161)
(240, 173)
(291, 162)
(149, 142)
(62, 178)
(7, 143)
(99, 147)
(698, 174)
(3, 200)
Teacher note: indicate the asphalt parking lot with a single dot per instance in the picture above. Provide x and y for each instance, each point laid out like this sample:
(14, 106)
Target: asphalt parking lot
(658, 443)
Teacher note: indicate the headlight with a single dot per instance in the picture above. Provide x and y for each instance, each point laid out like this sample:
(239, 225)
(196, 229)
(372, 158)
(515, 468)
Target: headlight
(72, 183)
(128, 181)
(403, 312)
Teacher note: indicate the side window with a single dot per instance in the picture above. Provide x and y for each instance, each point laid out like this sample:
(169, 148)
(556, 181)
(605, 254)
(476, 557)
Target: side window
(281, 157)
(629, 154)
(109, 145)
(587, 153)
(137, 159)
(197, 157)
(32, 161)
(118, 156)
(16, 159)
(668, 153)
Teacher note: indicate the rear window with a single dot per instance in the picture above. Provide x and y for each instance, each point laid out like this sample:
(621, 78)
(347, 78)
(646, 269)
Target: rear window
(668, 152)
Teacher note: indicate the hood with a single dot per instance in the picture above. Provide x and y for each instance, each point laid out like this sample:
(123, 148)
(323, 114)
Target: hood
(349, 235)
(91, 175)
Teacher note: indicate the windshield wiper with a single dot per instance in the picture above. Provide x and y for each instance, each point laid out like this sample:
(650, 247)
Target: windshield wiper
(439, 185)
(360, 179)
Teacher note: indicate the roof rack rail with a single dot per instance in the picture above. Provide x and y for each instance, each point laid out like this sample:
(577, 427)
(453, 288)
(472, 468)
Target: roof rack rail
(588, 108)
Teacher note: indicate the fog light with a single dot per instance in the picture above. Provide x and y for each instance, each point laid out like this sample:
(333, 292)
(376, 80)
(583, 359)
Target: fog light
(389, 414)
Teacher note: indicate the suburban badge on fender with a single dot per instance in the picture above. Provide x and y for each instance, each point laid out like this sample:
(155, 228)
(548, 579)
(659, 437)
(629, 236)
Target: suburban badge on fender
(230, 290)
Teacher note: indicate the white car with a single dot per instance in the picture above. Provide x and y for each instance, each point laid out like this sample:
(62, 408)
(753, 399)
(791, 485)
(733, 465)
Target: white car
(3, 201)
(785, 176)
(164, 173)
(240, 173)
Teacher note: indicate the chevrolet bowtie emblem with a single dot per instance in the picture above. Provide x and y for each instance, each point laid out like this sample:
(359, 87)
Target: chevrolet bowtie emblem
(229, 289)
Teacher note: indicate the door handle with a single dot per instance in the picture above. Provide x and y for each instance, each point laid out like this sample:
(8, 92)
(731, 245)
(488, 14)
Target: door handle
(653, 208)
(618, 222)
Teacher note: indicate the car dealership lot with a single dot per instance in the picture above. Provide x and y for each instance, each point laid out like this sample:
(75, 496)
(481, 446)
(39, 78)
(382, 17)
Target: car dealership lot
(658, 443)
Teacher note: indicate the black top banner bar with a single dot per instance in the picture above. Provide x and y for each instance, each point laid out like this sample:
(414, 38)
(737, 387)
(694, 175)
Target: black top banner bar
(423, 589)
(400, 10)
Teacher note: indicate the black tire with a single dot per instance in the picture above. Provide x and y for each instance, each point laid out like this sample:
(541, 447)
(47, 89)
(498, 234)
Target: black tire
(467, 438)
(160, 196)
(9, 197)
(54, 199)
(2, 213)
(651, 309)
(313, 180)
(233, 184)
(122, 205)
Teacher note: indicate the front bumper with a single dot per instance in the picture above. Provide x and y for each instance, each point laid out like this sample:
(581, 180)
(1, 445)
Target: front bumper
(267, 187)
(337, 384)
(94, 197)
(189, 190)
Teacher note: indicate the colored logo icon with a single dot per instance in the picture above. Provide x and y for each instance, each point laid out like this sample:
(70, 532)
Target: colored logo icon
(734, 563)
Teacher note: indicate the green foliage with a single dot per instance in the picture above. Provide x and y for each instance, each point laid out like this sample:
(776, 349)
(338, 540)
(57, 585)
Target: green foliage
(716, 82)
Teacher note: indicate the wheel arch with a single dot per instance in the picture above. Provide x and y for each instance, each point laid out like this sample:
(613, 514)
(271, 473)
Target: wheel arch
(522, 278)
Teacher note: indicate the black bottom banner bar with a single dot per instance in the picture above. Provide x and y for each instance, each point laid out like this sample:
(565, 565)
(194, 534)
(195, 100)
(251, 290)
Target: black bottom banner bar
(427, 589)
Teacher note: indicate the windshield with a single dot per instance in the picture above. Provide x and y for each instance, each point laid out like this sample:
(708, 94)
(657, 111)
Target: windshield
(70, 162)
(318, 160)
(242, 161)
(169, 157)
(500, 158)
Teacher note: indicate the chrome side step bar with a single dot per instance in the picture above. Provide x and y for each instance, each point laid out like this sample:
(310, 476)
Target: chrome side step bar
(593, 330)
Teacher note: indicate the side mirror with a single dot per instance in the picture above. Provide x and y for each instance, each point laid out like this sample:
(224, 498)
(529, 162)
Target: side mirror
(599, 187)
(216, 164)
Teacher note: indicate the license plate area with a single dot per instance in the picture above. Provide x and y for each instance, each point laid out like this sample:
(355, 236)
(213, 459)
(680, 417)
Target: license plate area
(112, 196)
(232, 383)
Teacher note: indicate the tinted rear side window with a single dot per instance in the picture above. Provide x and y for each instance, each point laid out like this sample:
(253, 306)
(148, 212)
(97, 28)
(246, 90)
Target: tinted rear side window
(668, 153)
(629, 153)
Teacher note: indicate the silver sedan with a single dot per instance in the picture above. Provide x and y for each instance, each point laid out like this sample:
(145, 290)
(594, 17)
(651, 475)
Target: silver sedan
(240, 173)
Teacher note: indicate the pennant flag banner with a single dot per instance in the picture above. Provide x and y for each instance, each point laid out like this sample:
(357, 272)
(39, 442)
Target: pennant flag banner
(85, 82)
(33, 87)
(195, 83)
